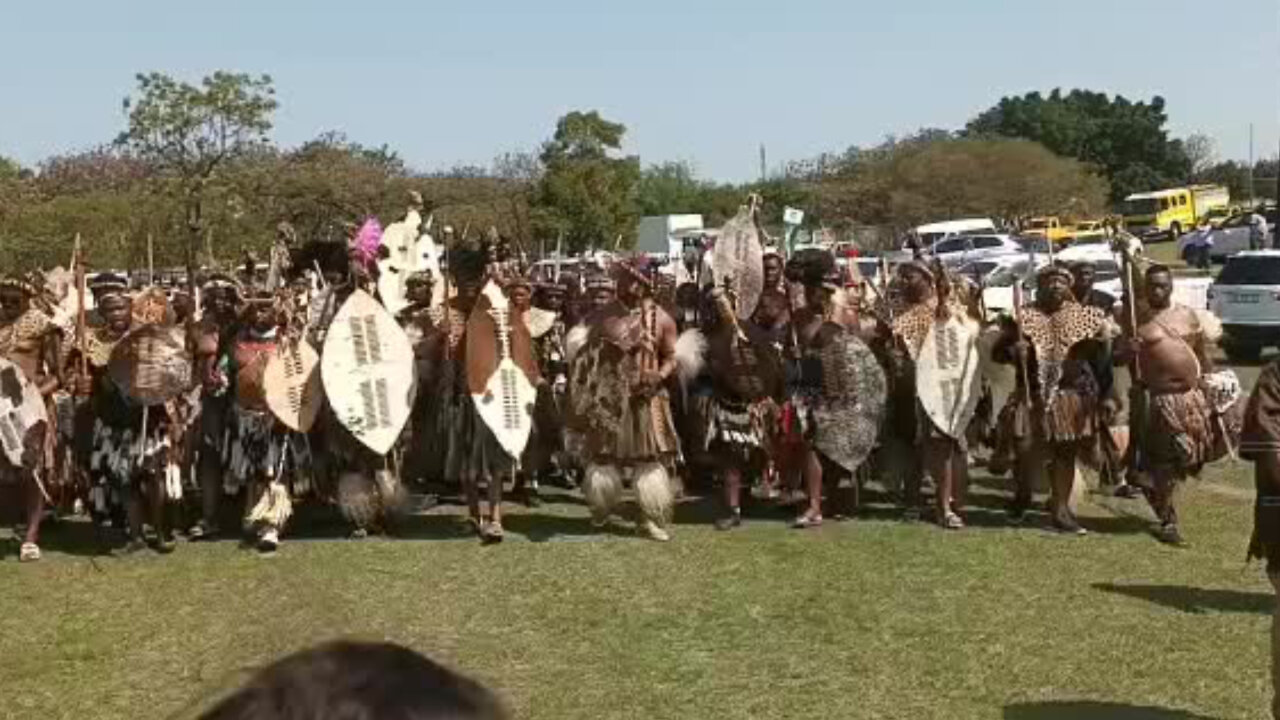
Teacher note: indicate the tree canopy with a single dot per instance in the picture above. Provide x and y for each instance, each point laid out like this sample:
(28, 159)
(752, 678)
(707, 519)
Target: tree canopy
(587, 190)
(187, 133)
(1127, 139)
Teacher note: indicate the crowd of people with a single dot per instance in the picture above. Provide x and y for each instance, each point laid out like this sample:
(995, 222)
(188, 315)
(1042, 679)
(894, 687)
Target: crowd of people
(747, 371)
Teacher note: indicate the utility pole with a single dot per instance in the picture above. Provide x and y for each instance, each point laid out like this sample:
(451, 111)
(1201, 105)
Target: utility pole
(1251, 196)
(763, 172)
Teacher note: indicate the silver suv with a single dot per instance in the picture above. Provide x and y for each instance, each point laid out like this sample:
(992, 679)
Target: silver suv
(1246, 296)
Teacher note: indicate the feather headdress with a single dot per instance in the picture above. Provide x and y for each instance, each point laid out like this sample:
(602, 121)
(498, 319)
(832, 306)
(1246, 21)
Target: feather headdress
(368, 239)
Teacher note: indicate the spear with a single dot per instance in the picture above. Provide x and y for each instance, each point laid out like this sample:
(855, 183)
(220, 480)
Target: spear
(81, 320)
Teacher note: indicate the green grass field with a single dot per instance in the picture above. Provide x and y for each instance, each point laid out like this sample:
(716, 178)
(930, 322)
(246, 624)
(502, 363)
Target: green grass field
(870, 618)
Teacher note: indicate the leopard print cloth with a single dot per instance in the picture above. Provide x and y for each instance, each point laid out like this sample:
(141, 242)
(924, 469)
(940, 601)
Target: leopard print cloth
(25, 333)
(911, 323)
(1054, 335)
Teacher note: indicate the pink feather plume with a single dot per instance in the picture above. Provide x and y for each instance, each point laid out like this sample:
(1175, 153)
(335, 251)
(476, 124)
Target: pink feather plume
(367, 241)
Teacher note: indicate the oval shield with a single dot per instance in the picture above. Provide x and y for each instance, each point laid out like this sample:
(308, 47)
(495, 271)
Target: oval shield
(501, 371)
(847, 418)
(292, 384)
(737, 260)
(367, 371)
(21, 410)
(151, 365)
(948, 382)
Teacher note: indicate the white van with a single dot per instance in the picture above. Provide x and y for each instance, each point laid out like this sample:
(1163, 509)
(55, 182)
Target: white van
(933, 232)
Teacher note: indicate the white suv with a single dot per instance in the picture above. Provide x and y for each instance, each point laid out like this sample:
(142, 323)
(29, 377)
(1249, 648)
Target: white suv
(1246, 296)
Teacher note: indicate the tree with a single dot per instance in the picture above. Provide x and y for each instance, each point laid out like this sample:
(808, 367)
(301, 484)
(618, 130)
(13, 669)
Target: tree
(1127, 139)
(902, 183)
(586, 194)
(669, 188)
(1202, 154)
(9, 169)
(189, 133)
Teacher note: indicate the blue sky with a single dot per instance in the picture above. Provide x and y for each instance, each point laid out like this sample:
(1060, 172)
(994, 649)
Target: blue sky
(708, 82)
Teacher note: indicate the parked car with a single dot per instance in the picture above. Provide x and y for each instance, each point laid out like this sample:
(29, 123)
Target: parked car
(1246, 297)
(998, 282)
(1049, 228)
(1230, 237)
(960, 249)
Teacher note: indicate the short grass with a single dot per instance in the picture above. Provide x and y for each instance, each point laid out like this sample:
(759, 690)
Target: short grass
(869, 618)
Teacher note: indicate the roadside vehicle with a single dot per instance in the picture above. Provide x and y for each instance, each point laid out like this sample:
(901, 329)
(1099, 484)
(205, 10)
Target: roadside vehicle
(1229, 238)
(1049, 228)
(1246, 297)
(1166, 214)
(960, 249)
(935, 232)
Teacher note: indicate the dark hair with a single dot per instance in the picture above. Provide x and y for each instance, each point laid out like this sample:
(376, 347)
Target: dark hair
(358, 681)
(1158, 269)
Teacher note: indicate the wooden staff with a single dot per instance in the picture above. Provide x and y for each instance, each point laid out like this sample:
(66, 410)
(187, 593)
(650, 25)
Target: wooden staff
(81, 316)
(1022, 357)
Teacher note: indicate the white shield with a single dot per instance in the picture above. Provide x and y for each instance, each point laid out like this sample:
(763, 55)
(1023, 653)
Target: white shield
(367, 369)
(948, 381)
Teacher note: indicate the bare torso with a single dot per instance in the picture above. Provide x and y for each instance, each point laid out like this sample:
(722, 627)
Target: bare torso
(1171, 350)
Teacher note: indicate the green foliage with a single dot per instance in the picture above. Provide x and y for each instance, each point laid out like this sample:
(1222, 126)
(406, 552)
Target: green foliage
(9, 169)
(586, 193)
(187, 133)
(1127, 139)
(932, 176)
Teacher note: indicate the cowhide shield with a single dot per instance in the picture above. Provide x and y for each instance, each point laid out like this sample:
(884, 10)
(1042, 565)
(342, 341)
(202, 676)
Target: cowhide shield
(400, 239)
(948, 381)
(21, 411)
(367, 369)
(737, 262)
(501, 370)
(851, 405)
(151, 365)
(292, 384)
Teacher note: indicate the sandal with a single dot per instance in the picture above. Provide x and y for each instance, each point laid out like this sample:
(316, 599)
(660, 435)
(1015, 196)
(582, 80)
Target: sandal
(804, 522)
(202, 531)
(30, 552)
(491, 533)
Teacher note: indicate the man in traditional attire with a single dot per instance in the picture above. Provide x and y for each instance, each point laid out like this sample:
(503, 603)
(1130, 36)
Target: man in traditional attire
(745, 369)
(470, 451)
(933, 311)
(1260, 444)
(836, 390)
(547, 328)
(1177, 438)
(133, 458)
(774, 278)
(263, 458)
(421, 321)
(29, 339)
(1083, 274)
(1050, 421)
(620, 402)
(209, 338)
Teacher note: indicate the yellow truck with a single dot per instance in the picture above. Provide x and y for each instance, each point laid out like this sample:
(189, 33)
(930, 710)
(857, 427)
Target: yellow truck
(1050, 228)
(1167, 214)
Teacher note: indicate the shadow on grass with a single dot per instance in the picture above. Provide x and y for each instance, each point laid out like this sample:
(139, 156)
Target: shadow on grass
(1195, 600)
(1085, 710)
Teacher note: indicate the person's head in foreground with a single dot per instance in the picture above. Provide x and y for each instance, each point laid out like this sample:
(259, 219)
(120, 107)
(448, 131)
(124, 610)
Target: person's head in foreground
(358, 681)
